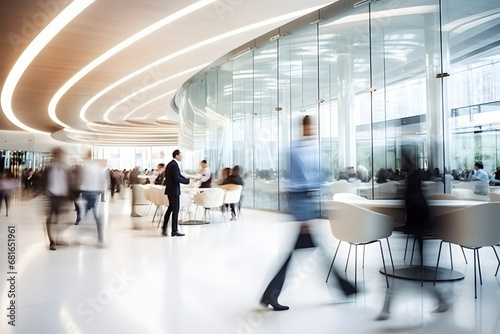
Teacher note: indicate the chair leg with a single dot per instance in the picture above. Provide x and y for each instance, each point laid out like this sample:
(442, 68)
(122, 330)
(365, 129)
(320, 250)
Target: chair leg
(390, 253)
(348, 256)
(498, 259)
(479, 267)
(475, 279)
(154, 214)
(355, 267)
(383, 261)
(451, 256)
(364, 256)
(406, 246)
(412, 251)
(437, 263)
(335, 255)
(465, 257)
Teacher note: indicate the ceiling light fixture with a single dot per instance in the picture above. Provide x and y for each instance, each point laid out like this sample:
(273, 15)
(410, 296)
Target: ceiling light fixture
(206, 42)
(159, 82)
(113, 51)
(35, 47)
(148, 102)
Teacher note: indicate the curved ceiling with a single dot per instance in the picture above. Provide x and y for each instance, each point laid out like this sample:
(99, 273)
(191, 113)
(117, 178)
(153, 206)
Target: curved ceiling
(105, 71)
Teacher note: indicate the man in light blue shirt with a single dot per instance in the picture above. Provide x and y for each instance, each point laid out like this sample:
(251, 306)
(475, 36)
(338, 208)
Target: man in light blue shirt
(480, 174)
(304, 185)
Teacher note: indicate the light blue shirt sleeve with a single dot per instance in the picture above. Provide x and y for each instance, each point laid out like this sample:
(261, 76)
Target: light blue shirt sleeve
(481, 175)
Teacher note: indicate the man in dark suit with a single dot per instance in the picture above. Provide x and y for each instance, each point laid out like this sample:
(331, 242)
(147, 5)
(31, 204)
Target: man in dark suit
(173, 179)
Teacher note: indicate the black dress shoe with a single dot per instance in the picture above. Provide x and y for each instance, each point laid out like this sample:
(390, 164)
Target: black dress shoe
(177, 234)
(274, 303)
(164, 233)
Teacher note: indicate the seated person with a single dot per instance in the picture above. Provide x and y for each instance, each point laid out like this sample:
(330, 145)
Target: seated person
(495, 178)
(381, 176)
(351, 174)
(204, 175)
(480, 174)
(161, 174)
(224, 175)
(234, 178)
(362, 173)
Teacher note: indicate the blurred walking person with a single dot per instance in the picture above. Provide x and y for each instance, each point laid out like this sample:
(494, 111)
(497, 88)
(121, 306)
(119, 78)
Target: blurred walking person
(55, 185)
(305, 181)
(7, 186)
(93, 183)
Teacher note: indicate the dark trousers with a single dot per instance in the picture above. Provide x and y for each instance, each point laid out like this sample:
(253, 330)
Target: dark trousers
(92, 199)
(56, 205)
(173, 208)
(273, 290)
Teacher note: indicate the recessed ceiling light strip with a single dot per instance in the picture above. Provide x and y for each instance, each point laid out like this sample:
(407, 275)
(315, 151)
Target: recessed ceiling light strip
(149, 102)
(159, 82)
(194, 47)
(113, 51)
(30, 53)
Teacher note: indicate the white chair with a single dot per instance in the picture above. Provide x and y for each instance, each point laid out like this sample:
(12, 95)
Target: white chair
(186, 201)
(431, 188)
(449, 197)
(442, 197)
(160, 199)
(343, 186)
(471, 227)
(232, 196)
(469, 195)
(387, 190)
(358, 226)
(139, 193)
(348, 197)
(209, 199)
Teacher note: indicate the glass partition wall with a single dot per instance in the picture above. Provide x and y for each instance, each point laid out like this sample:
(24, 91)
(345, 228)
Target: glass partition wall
(393, 86)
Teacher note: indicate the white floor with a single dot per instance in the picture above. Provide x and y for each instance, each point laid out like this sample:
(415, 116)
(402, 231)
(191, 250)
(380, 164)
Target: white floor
(210, 281)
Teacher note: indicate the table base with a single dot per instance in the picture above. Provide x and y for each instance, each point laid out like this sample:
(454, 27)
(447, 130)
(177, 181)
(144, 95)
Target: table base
(414, 273)
(193, 222)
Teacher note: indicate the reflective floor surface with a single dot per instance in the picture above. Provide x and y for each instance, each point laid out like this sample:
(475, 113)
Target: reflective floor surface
(211, 280)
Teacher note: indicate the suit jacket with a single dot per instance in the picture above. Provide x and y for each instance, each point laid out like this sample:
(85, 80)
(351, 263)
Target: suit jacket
(173, 179)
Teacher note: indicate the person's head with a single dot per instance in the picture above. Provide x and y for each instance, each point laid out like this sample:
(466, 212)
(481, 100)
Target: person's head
(226, 172)
(177, 155)
(160, 167)
(498, 169)
(203, 164)
(87, 154)
(58, 154)
(478, 165)
(307, 126)
(236, 170)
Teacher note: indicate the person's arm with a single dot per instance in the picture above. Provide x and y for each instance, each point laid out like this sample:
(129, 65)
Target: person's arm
(205, 175)
(178, 177)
